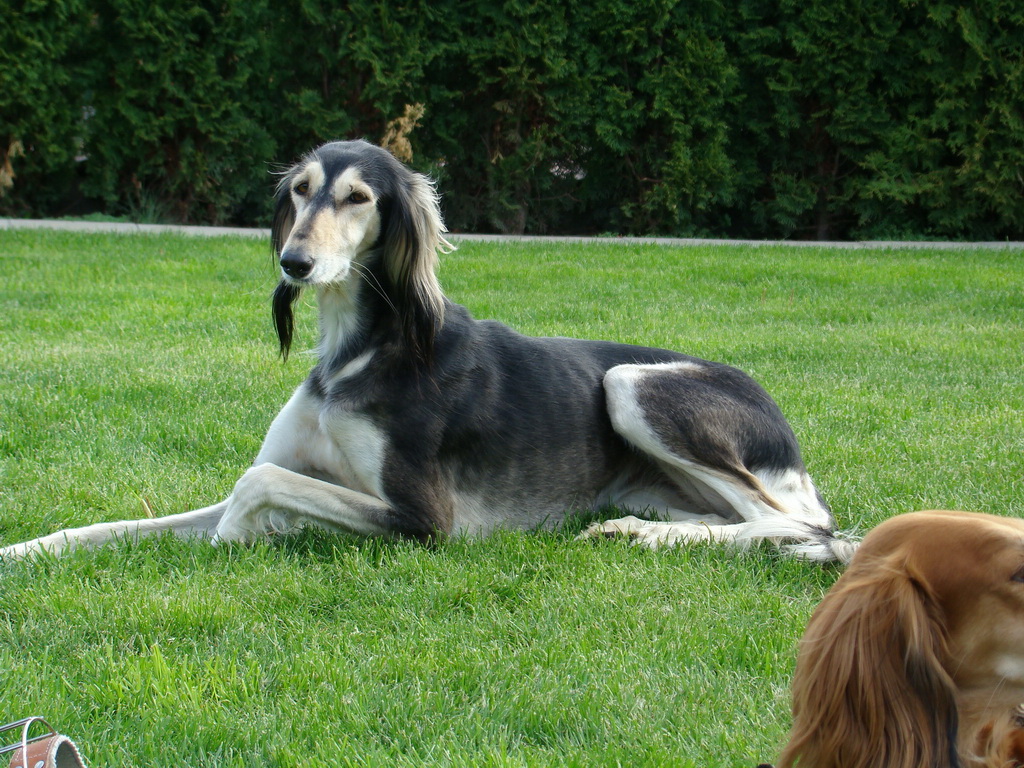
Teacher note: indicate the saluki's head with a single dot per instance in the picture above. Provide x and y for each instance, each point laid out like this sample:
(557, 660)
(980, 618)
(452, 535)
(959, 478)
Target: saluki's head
(348, 212)
(916, 656)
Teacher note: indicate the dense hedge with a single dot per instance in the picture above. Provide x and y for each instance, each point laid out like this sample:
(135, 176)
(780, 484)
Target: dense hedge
(759, 118)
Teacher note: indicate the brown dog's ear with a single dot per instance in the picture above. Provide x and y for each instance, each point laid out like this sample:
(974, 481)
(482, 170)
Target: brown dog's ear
(870, 690)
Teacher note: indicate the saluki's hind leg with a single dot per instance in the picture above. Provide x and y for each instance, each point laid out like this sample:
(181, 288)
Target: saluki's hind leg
(722, 441)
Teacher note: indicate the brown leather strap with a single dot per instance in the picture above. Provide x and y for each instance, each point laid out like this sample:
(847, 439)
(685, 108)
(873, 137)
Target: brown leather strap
(47, 750)
(55, 751)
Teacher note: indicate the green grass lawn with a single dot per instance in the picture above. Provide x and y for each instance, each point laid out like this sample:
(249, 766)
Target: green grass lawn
(143, 367)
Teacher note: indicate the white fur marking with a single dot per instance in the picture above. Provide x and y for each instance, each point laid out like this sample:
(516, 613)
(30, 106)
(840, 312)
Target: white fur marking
(339, 316)
(1011, 668)
(353, 367)
(350, 181)
(313, 175)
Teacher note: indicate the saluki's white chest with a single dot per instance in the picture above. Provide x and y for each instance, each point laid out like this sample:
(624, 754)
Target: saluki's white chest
(350, 450)
(332, 443)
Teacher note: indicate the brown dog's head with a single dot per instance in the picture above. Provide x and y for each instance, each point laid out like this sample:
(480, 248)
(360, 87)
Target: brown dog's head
(930, 615)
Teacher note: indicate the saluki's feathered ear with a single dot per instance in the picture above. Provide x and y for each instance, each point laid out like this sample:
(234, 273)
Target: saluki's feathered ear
(284, 214)
(285, 294)
(414, 233)
(870, 689)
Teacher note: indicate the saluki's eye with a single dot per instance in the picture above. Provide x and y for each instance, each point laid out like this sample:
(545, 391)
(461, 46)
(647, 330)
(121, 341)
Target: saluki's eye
(301, 188)
(357, 197)
(1018, 575)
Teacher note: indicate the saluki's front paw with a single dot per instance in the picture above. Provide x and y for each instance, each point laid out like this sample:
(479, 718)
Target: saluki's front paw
(234, 527)
(247, 528)
(227, 535)
(629, 526)
(244, 520)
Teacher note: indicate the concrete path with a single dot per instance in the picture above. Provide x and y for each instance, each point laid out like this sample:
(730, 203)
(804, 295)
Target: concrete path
(103, 226)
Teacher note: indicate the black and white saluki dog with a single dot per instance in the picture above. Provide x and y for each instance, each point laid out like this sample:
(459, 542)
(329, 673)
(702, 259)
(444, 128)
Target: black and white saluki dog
(418, 420)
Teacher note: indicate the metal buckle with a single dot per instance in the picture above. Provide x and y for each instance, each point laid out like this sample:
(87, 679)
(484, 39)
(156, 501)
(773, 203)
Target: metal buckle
(25, 726)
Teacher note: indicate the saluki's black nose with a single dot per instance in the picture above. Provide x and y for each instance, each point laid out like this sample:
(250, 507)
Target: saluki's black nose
(296, 264)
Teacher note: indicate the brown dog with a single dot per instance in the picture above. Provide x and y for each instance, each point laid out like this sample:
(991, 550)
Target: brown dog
(916, 656)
